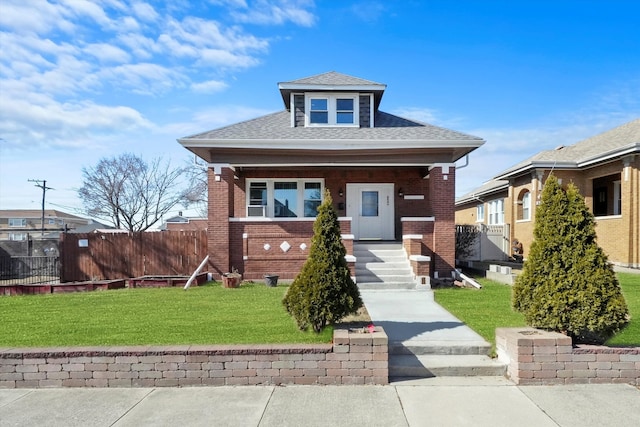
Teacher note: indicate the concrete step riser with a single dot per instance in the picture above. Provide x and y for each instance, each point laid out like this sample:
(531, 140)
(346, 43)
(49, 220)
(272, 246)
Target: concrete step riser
(384, 279)
(444, 366)
(385, 286)
(383, 266)
(443, 350)
(452, 371)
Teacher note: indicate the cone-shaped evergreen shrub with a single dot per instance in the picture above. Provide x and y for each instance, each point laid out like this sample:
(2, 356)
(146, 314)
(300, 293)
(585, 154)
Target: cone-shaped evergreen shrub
(567, 284)
(323, 292)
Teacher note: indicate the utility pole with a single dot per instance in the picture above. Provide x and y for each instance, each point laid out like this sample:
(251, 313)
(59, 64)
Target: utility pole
(42, 183)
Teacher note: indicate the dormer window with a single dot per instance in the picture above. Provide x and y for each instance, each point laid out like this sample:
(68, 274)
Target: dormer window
(332, 109)
(319, 111)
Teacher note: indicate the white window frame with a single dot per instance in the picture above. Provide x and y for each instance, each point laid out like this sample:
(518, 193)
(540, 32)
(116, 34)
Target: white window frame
(480, 212)
(17, 237)
(332, 109)
(268, 210)
(526, 206)
(617, 197)
(496, 212)
(12, 221)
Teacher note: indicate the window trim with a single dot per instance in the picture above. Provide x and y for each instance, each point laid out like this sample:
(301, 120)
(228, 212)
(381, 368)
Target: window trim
(332, 108)
(269, 208)
(617, 197)
(23, 222)
(496, 212)
(480, 214)
(523, 206)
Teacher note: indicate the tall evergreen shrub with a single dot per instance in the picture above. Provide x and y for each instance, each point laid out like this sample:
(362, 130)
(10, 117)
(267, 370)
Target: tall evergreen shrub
(567, 284)
(323, 292)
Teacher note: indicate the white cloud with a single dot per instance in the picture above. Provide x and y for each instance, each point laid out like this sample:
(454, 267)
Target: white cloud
(213, 118)
(144, 78)
(278, 12)
(106, 53)
(140, 46)
(54, 124)
(33, 16)
(84, 9)
(145, 11)
(210, 86)
(226, 59)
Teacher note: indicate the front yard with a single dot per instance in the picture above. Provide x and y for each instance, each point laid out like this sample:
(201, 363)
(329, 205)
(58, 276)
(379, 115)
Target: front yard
(489, 308)
(210, 314)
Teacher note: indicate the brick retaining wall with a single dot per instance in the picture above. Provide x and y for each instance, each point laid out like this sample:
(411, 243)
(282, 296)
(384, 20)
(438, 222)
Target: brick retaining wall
(352, 358)
(540, 357)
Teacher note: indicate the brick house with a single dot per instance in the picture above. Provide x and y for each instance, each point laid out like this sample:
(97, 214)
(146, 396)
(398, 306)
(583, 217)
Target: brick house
(20, 224)
(606, 170)
(390, 178)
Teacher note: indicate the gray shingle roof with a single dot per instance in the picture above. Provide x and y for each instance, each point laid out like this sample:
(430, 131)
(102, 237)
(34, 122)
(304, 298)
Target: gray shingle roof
(333, 78)
(277, 126)
(489, 187)
(618, 140)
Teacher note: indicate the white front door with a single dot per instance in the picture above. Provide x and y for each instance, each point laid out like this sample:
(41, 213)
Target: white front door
(371, 209)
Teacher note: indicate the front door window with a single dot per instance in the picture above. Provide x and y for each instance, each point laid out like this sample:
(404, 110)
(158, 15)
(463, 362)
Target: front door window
(369, 203)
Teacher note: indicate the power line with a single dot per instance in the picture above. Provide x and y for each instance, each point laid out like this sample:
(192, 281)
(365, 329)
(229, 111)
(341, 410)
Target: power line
(42, 183)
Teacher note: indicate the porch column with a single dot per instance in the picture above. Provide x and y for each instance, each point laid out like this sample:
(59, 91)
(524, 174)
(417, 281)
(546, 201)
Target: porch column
(220, 205)
(442, 184)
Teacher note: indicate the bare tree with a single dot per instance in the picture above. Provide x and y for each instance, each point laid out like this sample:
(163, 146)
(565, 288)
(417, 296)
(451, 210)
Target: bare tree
(130, 193)
(196, 194)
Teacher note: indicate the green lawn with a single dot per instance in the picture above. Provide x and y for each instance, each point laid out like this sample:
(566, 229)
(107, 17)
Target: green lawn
(490, 308)
(210, 314)
(629, 336)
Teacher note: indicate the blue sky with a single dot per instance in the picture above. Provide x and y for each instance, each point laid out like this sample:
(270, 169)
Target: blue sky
(81, 80)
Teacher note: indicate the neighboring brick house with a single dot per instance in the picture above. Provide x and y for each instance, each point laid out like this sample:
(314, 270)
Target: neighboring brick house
(184, 223)
(606, 170)
(390, 179)
(18, 224)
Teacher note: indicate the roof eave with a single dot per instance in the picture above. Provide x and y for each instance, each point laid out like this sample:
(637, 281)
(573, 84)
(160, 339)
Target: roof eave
(536, 165)
(476, 196)
(633, 148)
(326, 87)
(328, 144)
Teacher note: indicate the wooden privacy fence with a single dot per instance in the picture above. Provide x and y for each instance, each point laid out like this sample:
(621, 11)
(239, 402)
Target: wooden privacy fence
(108, 256)
(491, 242)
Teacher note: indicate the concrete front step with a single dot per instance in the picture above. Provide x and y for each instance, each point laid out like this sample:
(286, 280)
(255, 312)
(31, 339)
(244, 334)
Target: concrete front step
(440, 348)
(383, 266)
(385, 285)
(426, 366)
(384, 278)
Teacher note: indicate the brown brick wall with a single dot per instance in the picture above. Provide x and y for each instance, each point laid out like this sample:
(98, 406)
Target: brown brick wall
(537, 357)
(229, 249)
(353, 358)
(442, 191)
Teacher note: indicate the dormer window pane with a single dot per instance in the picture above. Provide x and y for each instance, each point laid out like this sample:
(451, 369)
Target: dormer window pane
(319, 110)
(344, 110)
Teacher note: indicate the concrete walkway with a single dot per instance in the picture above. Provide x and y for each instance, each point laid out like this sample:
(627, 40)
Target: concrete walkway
(478, 401)
(413, 319)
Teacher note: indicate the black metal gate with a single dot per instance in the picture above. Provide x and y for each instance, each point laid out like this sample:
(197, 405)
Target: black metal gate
(25, 270)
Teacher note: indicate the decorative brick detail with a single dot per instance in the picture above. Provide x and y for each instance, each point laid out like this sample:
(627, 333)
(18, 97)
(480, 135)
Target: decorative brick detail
(556, 361)
(355, 357)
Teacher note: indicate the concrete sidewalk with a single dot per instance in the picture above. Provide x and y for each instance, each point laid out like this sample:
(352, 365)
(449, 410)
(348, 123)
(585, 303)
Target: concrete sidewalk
(478, 401)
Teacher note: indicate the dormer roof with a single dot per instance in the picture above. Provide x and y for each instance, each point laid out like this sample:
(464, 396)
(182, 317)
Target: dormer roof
(331, 82)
